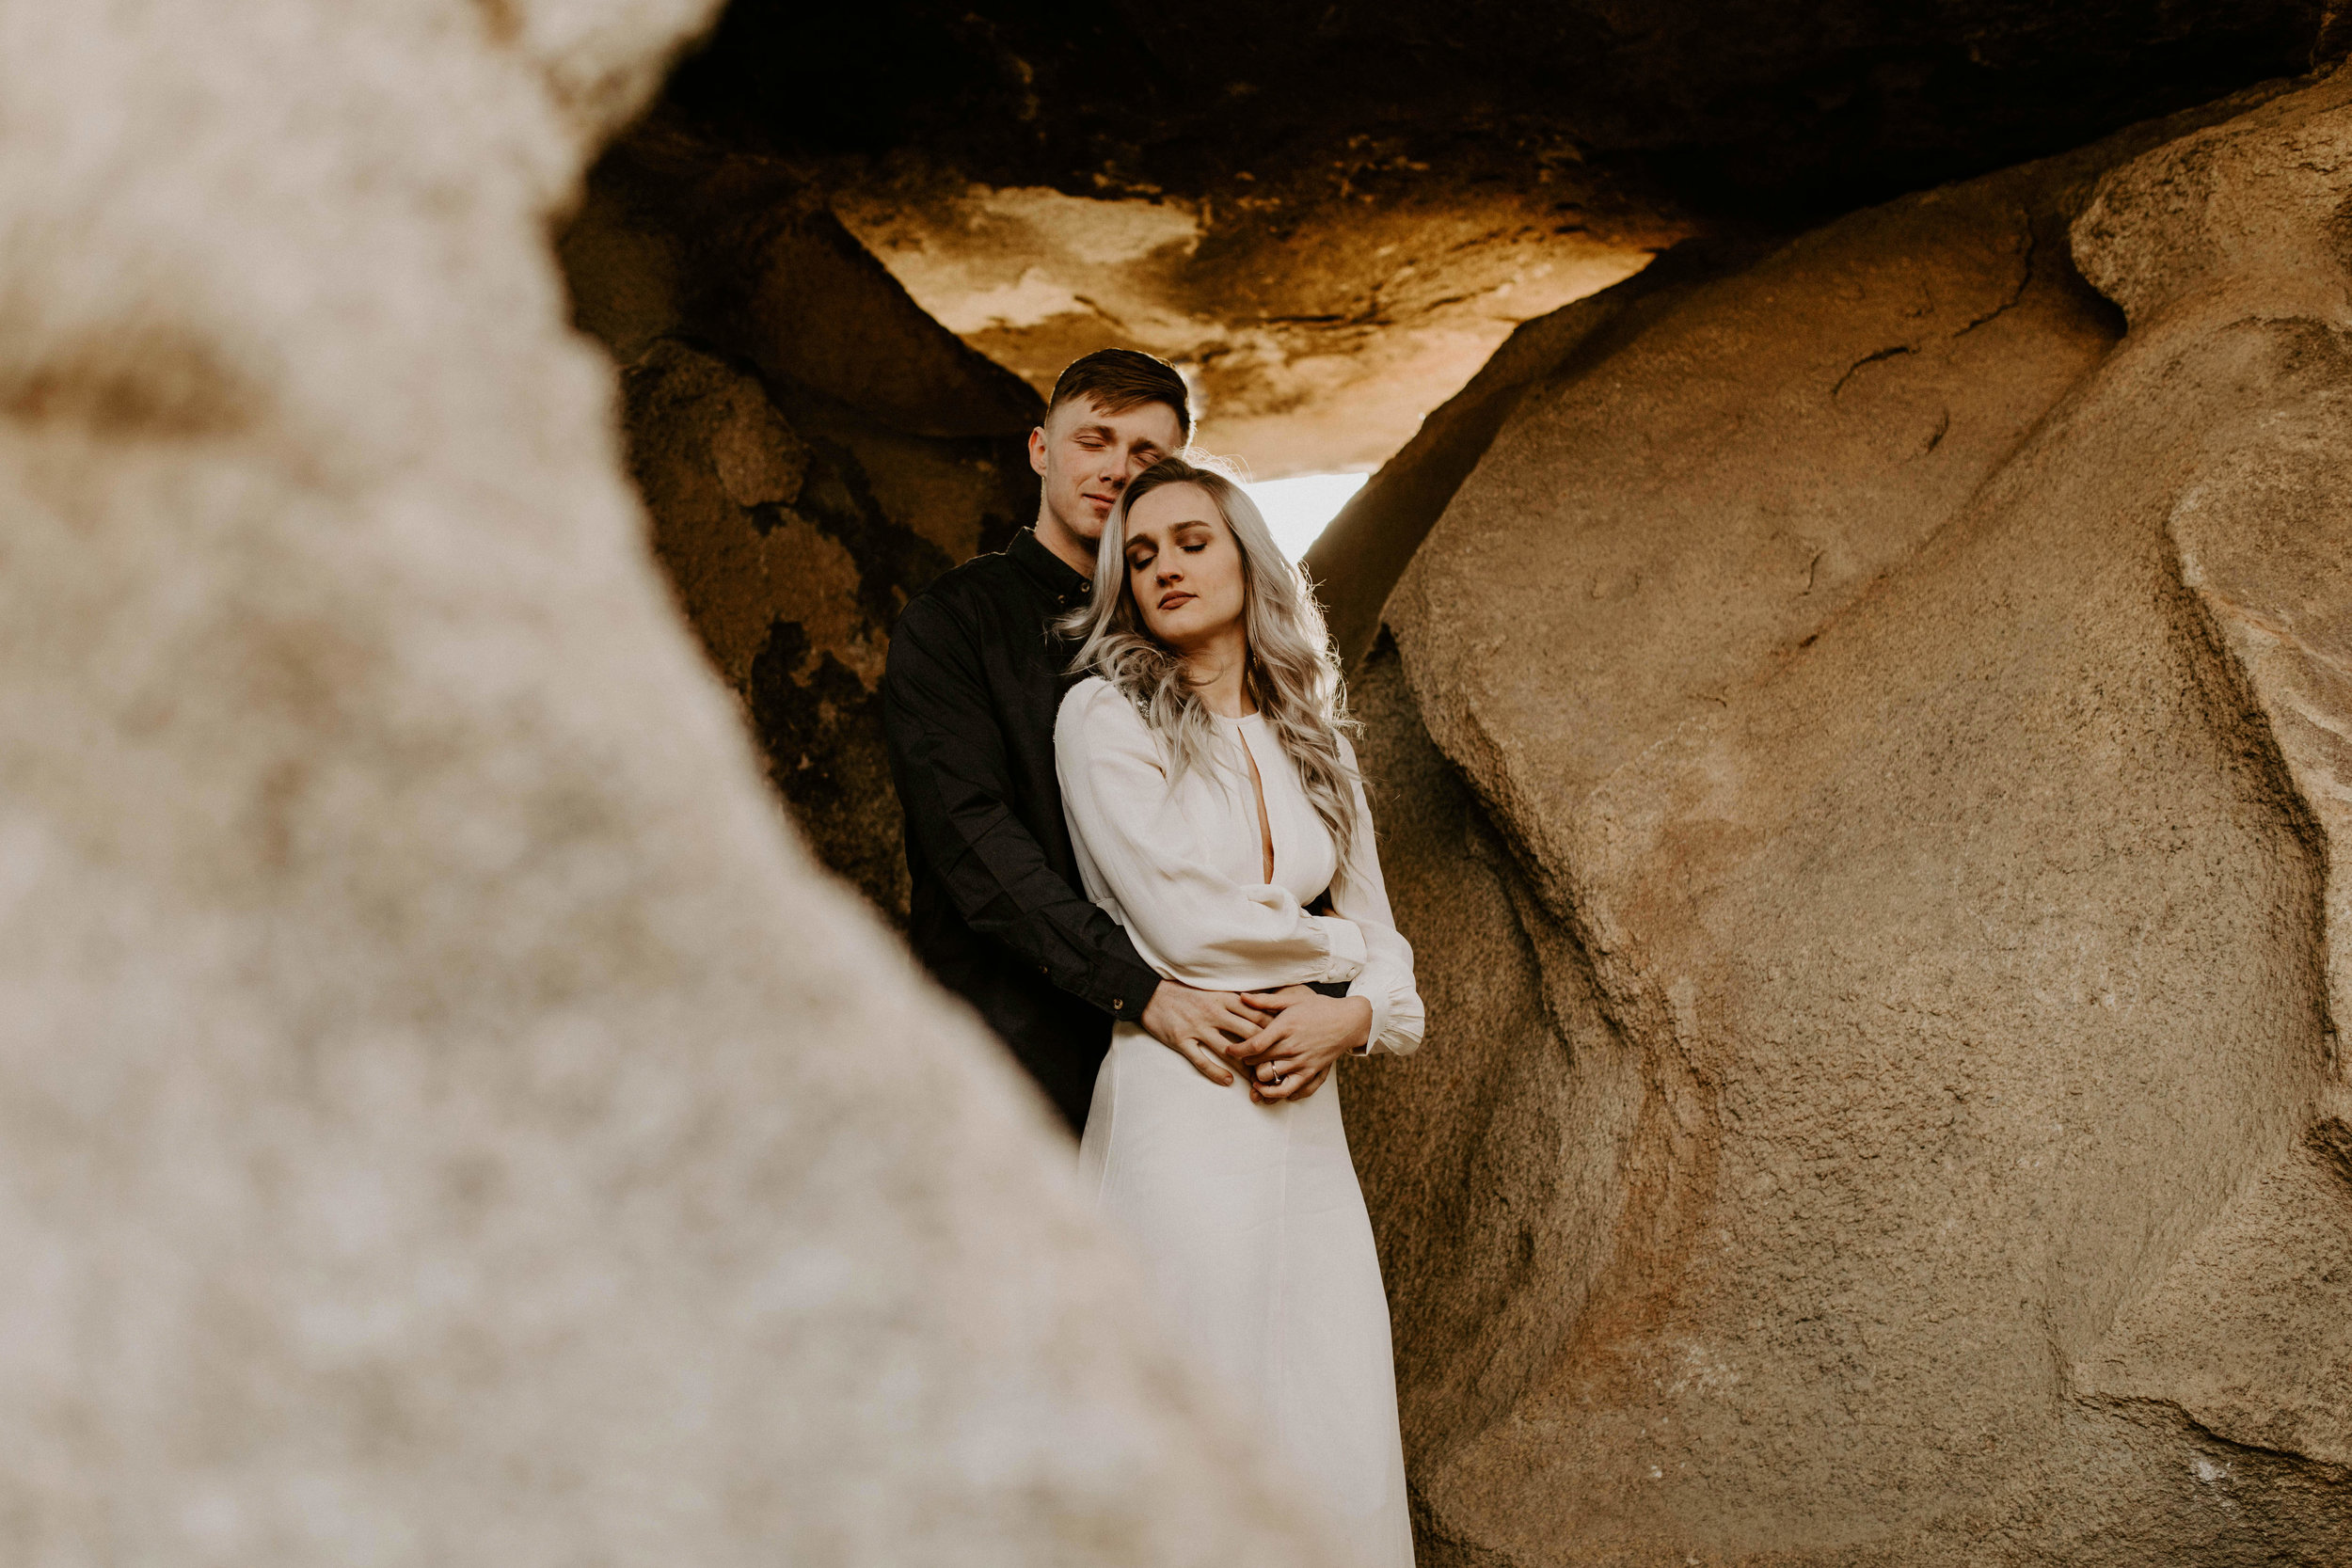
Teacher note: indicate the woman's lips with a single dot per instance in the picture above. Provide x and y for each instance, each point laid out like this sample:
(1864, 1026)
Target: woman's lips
(1169, 601)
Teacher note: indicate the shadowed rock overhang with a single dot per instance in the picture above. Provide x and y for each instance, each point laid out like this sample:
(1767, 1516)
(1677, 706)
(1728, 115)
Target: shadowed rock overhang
(1331, 217)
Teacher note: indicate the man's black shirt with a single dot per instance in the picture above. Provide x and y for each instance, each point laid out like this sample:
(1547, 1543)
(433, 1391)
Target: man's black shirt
(974, 682)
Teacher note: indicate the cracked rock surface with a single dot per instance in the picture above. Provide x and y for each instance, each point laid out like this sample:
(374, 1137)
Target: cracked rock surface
(1864, 748)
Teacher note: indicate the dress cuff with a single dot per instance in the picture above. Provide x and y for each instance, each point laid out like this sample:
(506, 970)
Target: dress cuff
(1379, 997)
(1345, 959)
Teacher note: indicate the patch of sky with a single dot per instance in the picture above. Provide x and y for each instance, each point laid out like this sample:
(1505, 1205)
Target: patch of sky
(1296, 510)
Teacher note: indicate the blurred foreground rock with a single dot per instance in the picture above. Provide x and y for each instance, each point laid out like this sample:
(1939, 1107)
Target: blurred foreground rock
(449, 1119)
(1868, 779)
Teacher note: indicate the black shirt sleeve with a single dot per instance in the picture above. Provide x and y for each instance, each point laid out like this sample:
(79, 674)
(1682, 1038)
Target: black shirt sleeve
(947, 757)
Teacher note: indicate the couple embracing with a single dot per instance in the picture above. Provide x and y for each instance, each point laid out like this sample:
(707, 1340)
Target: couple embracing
(1141, 849)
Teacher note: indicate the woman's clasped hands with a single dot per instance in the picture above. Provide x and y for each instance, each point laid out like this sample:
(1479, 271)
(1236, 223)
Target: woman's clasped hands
(1290, 1057)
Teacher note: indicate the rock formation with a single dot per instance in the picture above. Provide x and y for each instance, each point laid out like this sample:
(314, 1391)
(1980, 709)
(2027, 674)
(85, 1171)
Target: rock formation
(1863, 728)
(1320, 310)
(449, 1120)
(813, 450)
(1330, 221)
(1332, 214)
(1861, 723)
(1866, 776)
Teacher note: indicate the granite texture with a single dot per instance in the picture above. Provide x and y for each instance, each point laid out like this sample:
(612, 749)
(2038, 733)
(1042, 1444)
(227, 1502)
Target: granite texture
(1866, 780)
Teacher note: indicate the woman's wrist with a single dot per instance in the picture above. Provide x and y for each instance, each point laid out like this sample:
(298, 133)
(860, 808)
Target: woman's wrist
(1355, 1038)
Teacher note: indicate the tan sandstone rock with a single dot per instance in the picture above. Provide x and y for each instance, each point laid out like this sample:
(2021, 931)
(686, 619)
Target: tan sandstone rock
(448, 1117)
(1864, 768)
(1357, 559)
(1321, 306)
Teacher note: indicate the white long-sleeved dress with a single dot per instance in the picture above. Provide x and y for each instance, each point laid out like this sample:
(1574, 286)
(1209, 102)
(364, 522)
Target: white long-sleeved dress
(1248, 1218)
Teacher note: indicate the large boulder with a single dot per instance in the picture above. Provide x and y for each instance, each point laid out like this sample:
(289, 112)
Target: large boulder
(449, 1118)
(1866, 780)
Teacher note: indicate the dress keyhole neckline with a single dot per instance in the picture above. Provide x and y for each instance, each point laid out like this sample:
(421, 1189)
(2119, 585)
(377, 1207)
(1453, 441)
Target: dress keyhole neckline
(1265, 822)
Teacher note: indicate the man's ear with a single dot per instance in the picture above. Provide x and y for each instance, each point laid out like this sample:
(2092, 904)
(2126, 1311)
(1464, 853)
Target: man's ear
(1036, 450)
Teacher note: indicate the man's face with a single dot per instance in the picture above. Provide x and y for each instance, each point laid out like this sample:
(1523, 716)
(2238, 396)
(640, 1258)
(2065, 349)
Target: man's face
(1085, 458)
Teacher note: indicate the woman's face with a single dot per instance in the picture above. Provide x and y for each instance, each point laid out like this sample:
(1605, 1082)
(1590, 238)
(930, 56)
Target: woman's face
(1184, 566)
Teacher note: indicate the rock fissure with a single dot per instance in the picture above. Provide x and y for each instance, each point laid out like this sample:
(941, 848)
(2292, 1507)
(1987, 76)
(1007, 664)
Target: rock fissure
(2170, 1413)
(1878, 357)
(2024, 281)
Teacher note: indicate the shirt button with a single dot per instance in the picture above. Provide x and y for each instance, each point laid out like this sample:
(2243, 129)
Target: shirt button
(1116, 1003)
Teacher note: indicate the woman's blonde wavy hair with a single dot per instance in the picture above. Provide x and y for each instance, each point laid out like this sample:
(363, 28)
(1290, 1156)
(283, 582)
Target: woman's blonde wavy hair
(1294, 675)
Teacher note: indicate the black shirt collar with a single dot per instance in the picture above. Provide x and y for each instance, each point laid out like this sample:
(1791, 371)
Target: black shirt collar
(1049, 571)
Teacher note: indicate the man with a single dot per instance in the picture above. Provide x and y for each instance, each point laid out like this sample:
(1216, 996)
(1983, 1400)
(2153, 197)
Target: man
(969, 697)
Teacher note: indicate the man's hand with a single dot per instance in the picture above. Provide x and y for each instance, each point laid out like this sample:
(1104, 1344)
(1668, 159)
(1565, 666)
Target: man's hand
(1291, 1056)
(1199, 1025)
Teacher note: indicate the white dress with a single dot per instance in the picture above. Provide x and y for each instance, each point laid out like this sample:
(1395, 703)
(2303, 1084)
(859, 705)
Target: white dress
(1246, 1217)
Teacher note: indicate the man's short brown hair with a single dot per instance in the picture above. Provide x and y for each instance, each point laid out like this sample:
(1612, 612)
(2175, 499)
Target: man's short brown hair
(1117, 379)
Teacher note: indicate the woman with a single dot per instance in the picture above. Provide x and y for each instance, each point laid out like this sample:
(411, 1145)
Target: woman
(1212, 795)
